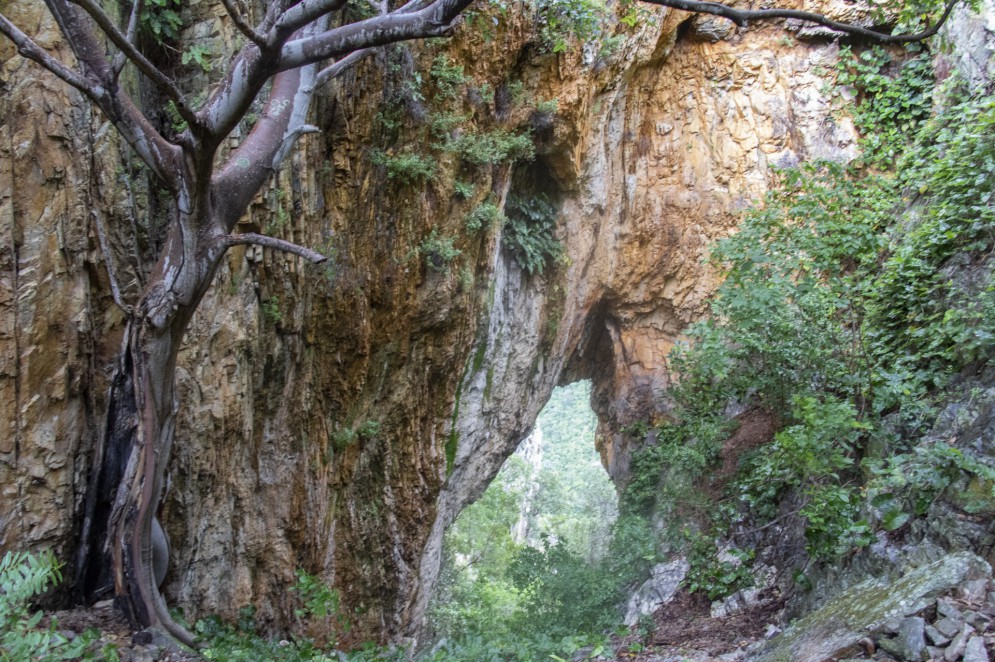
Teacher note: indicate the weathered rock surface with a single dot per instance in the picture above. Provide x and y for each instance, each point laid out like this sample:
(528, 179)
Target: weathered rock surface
(867, 607)
(666, 578)
(339, 420)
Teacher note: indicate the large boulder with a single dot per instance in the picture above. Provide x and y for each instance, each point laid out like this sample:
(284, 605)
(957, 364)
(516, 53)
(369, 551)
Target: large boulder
(862, 609)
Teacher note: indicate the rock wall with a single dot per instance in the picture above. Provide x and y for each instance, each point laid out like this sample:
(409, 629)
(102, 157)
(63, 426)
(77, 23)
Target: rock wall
(338, 419)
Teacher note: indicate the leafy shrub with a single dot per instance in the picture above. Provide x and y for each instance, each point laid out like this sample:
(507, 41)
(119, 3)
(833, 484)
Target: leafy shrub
(716, 574)
(811, 458)
(463, 189)
(199, 56)
(843, 304)
(271, 310)
(928, 321)
(437, 251)
(492, 147)
(487, 215)
(406, 167)
(342, 439)
(906, 485)
(369, 429)
(563, 20)
(891, 105)
(528, 232)
(161, 18)
(447, 76)
(24, 576)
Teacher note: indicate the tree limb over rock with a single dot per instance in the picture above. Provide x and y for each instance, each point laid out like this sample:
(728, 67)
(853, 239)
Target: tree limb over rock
(743, 16)
(248, 238)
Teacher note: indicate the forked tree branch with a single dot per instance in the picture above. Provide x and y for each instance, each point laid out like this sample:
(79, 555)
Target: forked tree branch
(96, 80)
(433, 20)
(160, 79)
(32, 51)
(288, 143)
(742, 16)
(153, 149)
(249, 238)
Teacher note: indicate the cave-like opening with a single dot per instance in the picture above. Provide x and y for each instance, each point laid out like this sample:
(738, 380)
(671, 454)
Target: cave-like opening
(538, 532)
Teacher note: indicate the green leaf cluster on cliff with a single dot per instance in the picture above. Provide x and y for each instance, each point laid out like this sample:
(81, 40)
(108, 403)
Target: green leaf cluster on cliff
(442, 116)
(854, 298)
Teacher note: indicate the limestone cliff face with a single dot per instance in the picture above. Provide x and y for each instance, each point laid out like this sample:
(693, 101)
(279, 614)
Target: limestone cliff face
(337, 420)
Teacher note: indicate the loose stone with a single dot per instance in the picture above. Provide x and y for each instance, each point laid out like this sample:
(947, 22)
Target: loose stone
(975, 650)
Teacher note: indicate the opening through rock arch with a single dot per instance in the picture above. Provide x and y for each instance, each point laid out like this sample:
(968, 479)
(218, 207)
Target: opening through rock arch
(528, 556)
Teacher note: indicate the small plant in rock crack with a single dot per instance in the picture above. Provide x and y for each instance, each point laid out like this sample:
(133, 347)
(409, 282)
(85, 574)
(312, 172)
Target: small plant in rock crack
(438, 251)
(405, 167)
(488, 215)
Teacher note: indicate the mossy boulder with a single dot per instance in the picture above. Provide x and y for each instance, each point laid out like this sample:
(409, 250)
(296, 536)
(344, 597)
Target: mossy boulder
(860, 610)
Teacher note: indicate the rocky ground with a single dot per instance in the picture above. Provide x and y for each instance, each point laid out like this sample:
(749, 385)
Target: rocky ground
(115, 639)
(956, 626)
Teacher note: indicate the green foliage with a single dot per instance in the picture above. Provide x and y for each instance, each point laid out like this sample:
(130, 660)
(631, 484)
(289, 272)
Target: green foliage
(198, 55)
(906, 485)
(486, 216)
(849, 299)
(547, 107)
(437, 251)
(320, 602)
(320, 607)
(447, 77)
(369, 430)
(561, 21)
(443, 124)
(928, 321)
(406, 167)
(271, 310)
(561, 593)
(528, 599)
(227, 643)
(811, 458)
(23, 577)
(516, 91)
(463, 190)
(891, 105)
(491, 147)
(528, 232)
(716, 574)
(161, 18)
(663, 475)
(347, 436)
(343, 438)
(176, 121)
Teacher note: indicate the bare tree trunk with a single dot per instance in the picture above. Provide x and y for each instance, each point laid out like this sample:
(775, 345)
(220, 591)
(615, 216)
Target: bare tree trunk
(139, 431)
